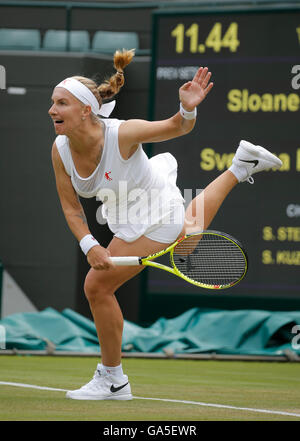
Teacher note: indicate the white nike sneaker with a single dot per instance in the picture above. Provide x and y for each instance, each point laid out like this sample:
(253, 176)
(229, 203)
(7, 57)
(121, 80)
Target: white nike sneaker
(103, 387)
(250, 159)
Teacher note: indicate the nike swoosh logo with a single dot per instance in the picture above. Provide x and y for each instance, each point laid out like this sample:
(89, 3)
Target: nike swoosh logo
(255, 162)
(116, 389)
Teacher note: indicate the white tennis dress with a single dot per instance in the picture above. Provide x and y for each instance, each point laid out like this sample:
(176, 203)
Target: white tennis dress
(139, 195)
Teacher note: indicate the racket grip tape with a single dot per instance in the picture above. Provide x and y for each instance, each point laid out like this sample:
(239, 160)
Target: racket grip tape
(126, 260)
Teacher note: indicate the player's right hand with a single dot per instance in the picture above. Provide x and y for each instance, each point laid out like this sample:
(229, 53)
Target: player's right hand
(99, 258)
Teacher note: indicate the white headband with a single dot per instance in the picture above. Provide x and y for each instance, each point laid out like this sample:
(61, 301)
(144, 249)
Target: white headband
(83, 94)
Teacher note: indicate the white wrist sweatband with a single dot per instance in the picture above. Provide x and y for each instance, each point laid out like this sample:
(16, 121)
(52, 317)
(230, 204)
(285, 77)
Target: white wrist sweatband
(187, 115)
(88, 242)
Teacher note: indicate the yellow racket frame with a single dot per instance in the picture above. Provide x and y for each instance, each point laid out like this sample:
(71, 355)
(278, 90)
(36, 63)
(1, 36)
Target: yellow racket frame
(148, 261)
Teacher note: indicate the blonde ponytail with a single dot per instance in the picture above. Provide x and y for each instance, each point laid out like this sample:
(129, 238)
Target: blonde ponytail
(113, 85)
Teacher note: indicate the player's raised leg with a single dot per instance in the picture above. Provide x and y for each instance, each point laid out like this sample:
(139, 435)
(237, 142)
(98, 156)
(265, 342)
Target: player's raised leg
(248, 160)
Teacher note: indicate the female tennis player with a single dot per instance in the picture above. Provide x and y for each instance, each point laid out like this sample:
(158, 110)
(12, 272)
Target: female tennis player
(92, 157)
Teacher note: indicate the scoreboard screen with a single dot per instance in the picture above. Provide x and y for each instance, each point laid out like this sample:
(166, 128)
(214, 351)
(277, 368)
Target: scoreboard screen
(254, 57)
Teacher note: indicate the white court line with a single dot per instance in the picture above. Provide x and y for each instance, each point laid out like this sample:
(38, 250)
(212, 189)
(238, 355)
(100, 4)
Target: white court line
(224, 406)
(31, 386)
(197, 403)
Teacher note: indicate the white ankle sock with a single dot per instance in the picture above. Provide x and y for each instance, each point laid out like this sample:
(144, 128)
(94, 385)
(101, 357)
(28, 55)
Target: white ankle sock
(239, 172)
(116, 371)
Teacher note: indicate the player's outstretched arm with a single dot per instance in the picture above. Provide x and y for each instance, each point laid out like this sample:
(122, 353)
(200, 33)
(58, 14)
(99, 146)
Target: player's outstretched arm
(191, 94)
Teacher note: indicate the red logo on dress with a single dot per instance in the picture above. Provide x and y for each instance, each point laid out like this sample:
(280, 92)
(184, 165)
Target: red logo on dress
(107, 176)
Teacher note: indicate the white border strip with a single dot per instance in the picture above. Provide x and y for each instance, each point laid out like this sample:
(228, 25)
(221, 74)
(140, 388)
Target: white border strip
(198, 403)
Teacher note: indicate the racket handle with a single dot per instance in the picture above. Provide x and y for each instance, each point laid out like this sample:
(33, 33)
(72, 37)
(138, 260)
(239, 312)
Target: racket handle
(126, 260)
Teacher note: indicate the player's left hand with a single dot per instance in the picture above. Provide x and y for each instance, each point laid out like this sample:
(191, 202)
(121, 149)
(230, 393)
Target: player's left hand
(193, 92)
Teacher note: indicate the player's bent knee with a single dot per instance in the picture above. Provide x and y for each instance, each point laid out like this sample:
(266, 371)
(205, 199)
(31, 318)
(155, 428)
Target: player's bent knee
(97, 286)
(102, 283)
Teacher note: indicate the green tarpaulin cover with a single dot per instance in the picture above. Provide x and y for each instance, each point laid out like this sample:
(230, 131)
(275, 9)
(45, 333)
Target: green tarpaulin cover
(243, 332)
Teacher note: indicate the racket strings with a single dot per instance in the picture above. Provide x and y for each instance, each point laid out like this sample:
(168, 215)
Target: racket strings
(209, 259)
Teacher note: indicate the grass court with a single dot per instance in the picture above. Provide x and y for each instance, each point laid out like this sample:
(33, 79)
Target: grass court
(249, 387)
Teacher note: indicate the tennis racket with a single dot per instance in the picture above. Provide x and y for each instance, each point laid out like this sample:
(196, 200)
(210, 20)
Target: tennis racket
(208, 259)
